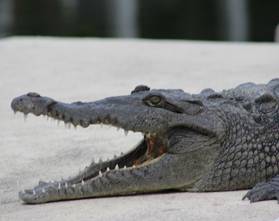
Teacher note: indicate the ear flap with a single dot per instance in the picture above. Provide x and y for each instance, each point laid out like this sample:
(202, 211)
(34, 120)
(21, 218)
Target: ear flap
(196, 102)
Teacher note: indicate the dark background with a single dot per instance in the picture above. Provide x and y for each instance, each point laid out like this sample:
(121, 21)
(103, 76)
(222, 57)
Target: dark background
(231, 20)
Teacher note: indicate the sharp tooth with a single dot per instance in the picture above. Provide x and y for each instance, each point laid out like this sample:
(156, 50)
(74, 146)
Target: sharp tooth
(59, 185)
(126, 132)
(125, 167)
(82, 182)
(116, 167)
(34, 192)
(74, 185)
(66, 185)
(43, 190)
(100, 173)
(134, 166)
(108, 169)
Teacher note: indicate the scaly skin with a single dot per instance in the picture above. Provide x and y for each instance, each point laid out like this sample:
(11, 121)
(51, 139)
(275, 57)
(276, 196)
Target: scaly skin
(204, 142)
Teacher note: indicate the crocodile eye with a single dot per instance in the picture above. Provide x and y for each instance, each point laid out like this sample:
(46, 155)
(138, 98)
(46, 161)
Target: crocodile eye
(153, 100)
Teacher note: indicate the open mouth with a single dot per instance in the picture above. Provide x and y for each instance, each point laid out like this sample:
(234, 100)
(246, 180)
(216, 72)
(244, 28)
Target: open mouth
(151, 147)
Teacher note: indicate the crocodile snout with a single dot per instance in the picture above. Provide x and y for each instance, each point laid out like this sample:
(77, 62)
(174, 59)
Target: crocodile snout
(31, 103)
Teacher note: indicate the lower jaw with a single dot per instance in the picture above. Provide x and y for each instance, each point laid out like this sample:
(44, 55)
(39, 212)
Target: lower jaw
(98, 172)
(150, 149)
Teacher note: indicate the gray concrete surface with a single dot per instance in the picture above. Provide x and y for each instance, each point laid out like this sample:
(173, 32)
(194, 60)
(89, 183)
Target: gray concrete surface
(88, 69)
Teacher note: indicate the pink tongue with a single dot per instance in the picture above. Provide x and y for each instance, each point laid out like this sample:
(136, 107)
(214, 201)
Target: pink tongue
(155, 147)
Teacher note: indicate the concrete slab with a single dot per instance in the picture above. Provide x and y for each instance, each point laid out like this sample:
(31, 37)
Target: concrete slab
(89, 69)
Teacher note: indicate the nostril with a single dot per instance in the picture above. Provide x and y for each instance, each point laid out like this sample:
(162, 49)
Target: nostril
(20, 99)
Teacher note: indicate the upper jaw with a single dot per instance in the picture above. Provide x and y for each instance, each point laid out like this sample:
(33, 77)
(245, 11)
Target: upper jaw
(128, 113)
(32, 103)
(106, 111)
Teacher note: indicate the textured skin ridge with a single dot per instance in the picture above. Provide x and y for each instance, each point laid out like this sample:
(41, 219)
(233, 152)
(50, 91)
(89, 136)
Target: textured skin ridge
(249, 157)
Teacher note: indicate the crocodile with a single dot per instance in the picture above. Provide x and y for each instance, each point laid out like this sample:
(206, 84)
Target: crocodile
(206, 142)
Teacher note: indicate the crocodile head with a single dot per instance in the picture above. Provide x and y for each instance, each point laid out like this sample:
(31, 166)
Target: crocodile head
(181, 133)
